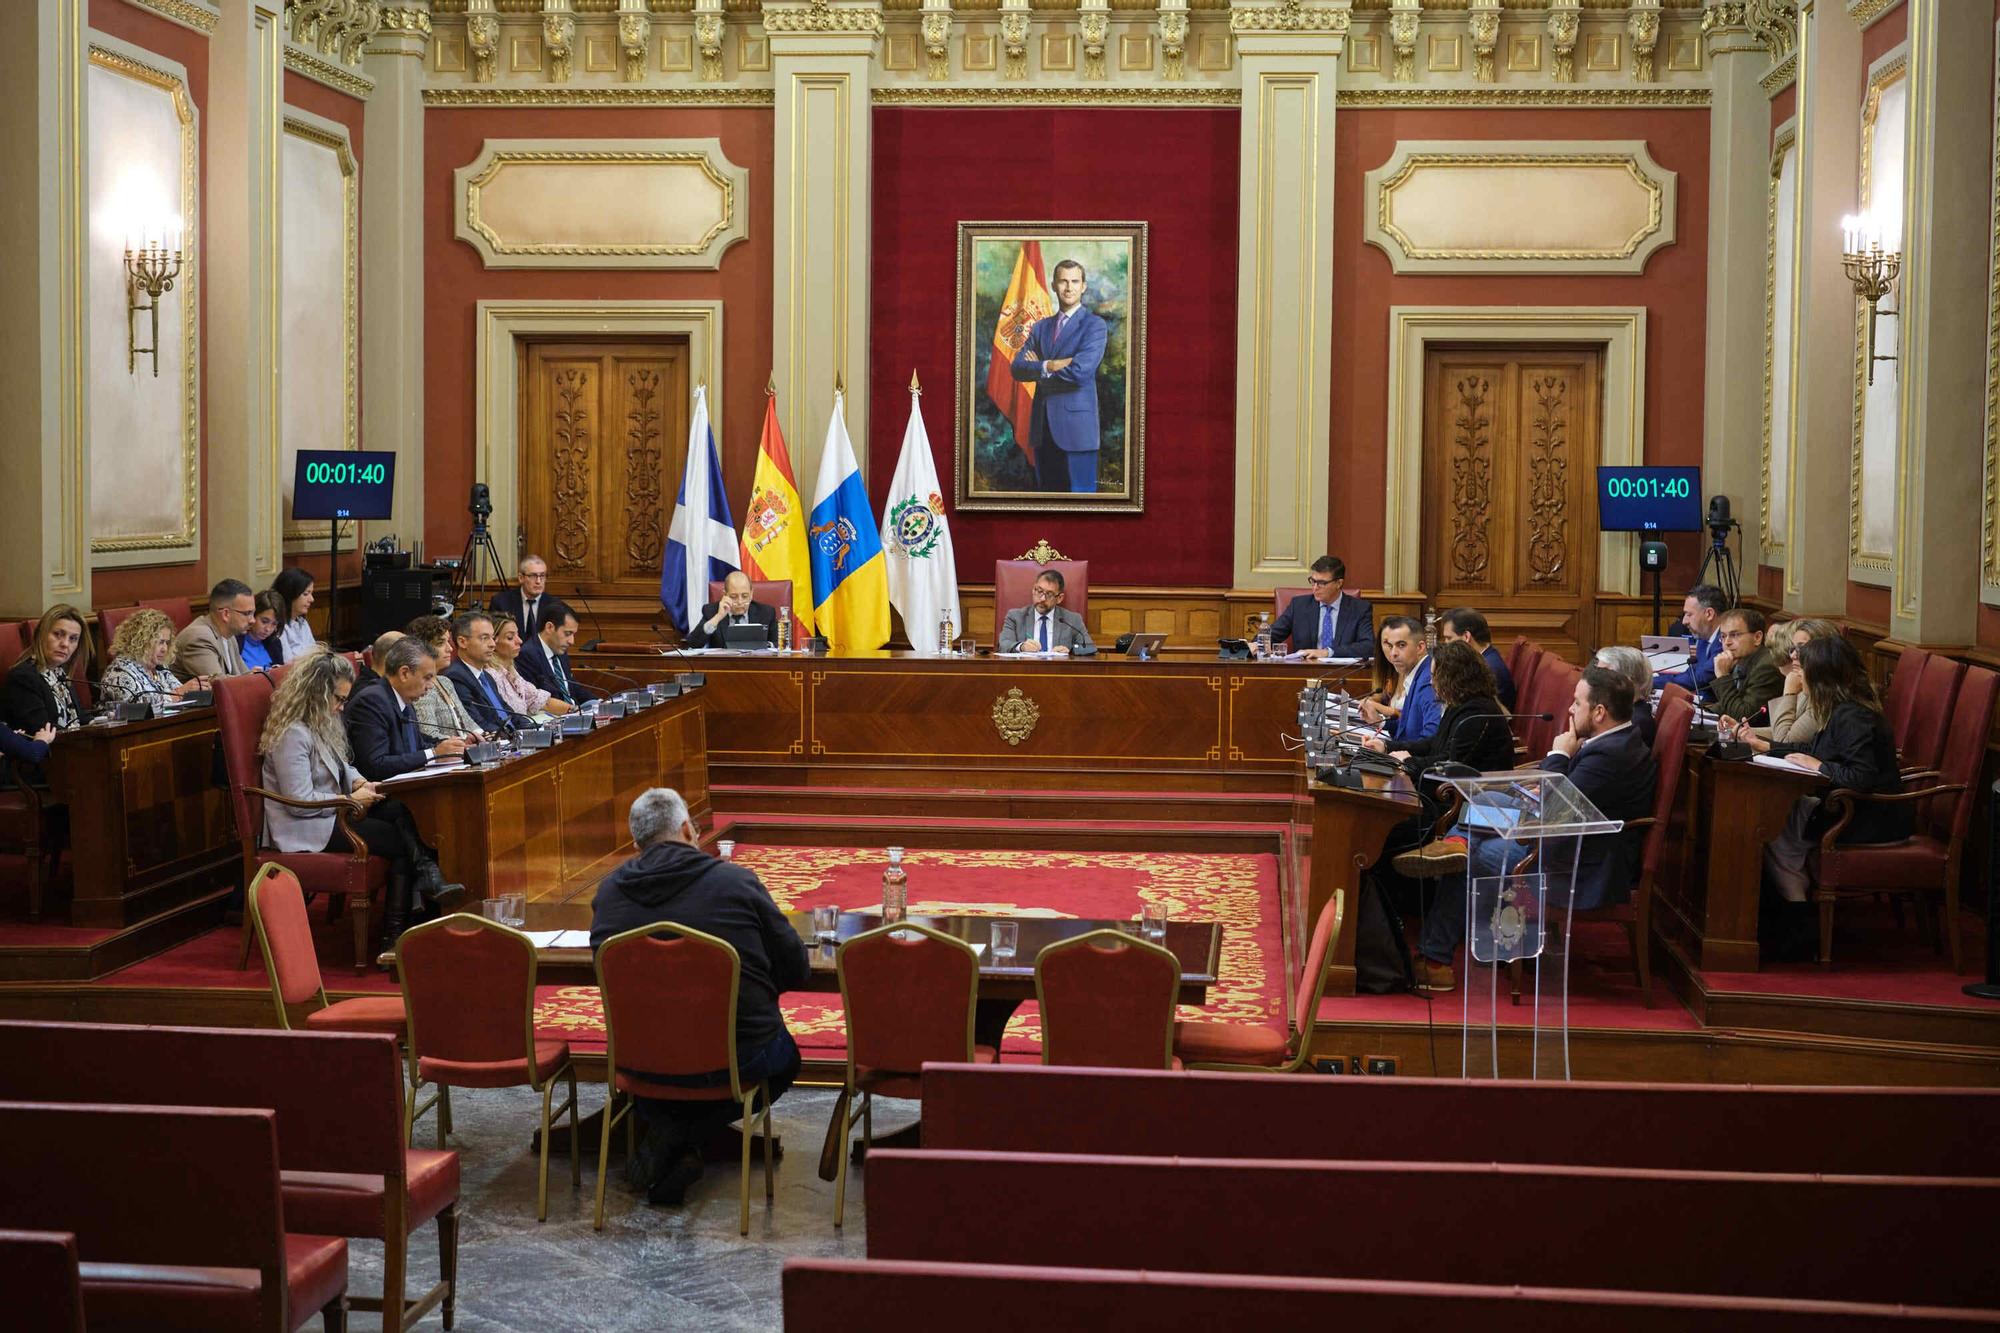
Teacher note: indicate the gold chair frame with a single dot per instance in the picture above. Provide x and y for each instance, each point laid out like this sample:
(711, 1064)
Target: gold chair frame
(1302, 1027)
(1110, 935)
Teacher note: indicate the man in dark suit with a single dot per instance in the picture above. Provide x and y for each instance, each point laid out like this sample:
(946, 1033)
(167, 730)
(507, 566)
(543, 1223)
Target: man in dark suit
(735, 608)
(1060, 358)
(472, 652)
(544, 659)
(530, 603)
(382, 725)
(1701, 614)
(1326, 622)
(1607, 761)
(1463, 622)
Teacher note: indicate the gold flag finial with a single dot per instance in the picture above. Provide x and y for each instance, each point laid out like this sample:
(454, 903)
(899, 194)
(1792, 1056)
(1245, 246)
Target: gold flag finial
(838, 386)
(914, 386)
(771, 385)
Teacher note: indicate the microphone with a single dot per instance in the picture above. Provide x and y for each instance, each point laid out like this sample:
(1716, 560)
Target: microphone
(595, 624)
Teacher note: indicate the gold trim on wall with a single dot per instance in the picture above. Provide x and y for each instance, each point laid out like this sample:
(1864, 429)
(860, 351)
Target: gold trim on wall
(1990, 521)
(1359, 98)
(457, 97)
(921, 96)
(303, 62)
(312, 131)
(181, 543)
(1865, 12)
(1773, 550)
(1885, 73)
(188, 13)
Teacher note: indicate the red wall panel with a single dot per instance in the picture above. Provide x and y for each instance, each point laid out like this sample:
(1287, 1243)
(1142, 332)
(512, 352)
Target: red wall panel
(1673, 290)
(1882, 36)
(114, 18)
(1174, 169)
(456, 280)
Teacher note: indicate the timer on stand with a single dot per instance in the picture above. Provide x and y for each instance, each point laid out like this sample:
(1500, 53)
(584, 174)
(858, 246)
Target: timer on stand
(341, 486)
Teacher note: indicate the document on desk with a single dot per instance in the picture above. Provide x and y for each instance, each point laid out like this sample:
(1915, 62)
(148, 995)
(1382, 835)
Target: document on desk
(1035, 656)
(559, 939)
(435, 768)
(1669, 661)
(1778, 761)
(1300, 656)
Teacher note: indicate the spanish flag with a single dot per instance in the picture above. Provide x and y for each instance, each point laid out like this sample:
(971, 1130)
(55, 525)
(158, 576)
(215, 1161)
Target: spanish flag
(1027, 300)
(774, 529)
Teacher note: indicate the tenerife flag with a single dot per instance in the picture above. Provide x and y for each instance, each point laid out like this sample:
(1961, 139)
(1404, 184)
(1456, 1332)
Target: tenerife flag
(701, 544)
(850, 582)
(923, 572)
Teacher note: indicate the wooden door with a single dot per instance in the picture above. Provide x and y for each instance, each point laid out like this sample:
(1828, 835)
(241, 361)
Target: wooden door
(603, 440)
(1510, 450)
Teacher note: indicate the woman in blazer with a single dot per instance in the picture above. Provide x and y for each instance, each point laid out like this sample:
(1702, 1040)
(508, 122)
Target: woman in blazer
(307, 758)
(1792, 718)
(38, 692)
(516, 690)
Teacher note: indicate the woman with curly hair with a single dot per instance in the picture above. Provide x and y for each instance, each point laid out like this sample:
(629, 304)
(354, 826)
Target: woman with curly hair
(440, 712)
(139, 653)
(307, 758)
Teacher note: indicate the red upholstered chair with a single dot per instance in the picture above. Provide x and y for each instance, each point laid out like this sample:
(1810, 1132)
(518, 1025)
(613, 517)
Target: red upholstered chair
(1930, 712)
(350, 879)
(1930, 861)
(1013, 579)
(277, 909)
(469, 991)
(177, 609)
(108, 621)
(909, 994)
(669, 969)
(1107, 999)
(775, 593)
(29, 825)
(13, 641)
(1555, 688)
(276, 674)
(1252, 1046)
(1669, 753)
(1517, 658)
(38, 1272)
(1668, 692)
(1524, 682)
(1901, 696)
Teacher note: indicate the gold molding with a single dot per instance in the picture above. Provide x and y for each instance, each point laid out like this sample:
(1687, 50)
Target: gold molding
(302, 62)
(188, 537)
(1865, 12)
(821, 17)
(1780, 76)
(1990, 518)
(1885, 73)
(918, 95)
(1773, 549)
(312, 131)
(496, 155)
(1290, 16)
(187, 13)
(610, 96)
(1361, 98)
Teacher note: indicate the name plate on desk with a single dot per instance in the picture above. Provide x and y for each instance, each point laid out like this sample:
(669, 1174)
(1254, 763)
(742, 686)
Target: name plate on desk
(634, 700)
(575, 724)
(691, 680)
(614, 707)
(534, 738)
(486, 752)
(665, 689)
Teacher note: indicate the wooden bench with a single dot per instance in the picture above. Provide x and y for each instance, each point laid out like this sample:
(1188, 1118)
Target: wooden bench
(339, 1103)
(1676, 1126)
(176, 1214)
(1880, 1239)
(38, 1271)
(838, 1295)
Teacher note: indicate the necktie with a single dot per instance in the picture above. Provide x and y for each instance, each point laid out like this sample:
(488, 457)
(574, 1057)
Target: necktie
(528, 614)
(1045, 631)
(562, 679)
(406, 721)
(492, 695)
(1326, 627)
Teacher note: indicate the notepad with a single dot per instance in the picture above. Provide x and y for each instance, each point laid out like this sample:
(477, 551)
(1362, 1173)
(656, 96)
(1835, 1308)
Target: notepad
(559, 939)
(1777, 761)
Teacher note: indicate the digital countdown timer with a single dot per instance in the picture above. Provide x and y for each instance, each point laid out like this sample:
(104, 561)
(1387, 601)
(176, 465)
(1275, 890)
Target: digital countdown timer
(1649, 499)
(341, 483)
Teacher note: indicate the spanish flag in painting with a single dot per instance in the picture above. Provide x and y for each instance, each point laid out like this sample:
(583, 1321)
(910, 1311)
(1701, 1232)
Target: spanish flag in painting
(850, 578)
(774, 529)
(1027, 300)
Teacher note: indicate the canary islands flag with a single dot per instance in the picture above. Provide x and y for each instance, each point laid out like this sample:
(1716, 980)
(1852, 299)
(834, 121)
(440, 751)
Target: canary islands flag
(774, 528)
(849, 578)
(701, 543)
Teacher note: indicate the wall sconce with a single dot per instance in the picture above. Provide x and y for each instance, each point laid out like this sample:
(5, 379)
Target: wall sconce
(151, 265)
(1872, 270)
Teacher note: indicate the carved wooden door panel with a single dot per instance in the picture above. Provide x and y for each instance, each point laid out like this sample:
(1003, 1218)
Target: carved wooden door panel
(1510, 447)
(603, 439)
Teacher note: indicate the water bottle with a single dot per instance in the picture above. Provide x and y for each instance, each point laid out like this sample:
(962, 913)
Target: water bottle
(784, 629)
(1263, 644)
(944, 632)
(895, 888)
(1430, 628)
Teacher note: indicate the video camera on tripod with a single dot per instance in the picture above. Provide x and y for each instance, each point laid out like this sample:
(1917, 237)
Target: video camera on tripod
(480, 554)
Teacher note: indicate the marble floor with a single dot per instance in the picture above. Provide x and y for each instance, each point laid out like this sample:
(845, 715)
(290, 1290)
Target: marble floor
(651, 1267)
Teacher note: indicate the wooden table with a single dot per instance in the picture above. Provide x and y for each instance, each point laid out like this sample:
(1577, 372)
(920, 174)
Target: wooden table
(149, 829)
(899, 719)
(1736, 807)
(549, 823)
(1350, 825)
(1198, 945)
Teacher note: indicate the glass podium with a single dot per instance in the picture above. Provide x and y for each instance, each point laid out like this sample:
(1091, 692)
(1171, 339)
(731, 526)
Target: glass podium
(1526, 829)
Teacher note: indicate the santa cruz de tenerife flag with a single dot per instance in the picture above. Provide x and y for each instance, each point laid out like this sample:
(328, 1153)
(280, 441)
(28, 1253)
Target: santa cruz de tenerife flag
(701, 544)
(850, 587)
(774, 528)
(923, 575)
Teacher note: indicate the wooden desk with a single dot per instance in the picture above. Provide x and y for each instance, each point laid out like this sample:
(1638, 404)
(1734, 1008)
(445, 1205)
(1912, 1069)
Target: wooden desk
(148, 828)
(549, 823)
(1198, 945)
(900, 719)
(1737, 807)
(1350, 825)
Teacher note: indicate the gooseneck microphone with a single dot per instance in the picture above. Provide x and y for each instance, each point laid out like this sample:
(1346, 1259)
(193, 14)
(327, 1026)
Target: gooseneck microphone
(596, 625)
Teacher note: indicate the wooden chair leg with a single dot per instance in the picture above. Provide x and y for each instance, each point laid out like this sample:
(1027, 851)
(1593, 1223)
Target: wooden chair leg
(334, 1316)
(249, 934)
(604, 1129)
(542, 1175)
(575, 1139)
(358, 906)
(448, 1260)
(1950, 923)
(32, 853)
(1826, 932)
(743, 1171)
(844, 1113)
(395, 1262)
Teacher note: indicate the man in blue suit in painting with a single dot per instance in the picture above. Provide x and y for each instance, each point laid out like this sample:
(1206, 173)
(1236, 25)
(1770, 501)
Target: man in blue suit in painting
(1061, 356)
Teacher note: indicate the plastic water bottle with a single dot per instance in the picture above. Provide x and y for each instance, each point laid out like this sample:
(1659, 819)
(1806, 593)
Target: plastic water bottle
(944, 632)
(784, 629)
(895, 888)
(1430, 628)
(1263, 644)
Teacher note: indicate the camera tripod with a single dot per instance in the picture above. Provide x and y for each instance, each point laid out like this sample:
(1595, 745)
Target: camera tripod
(470, 578)
(1720, 560)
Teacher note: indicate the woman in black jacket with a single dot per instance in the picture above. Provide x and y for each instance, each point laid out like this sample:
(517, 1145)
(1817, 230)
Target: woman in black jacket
(1854, 750)
(1473, 730)
(38, 692)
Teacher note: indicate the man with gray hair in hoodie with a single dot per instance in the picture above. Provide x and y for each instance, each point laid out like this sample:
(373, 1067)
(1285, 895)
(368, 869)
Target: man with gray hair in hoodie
(673, 879)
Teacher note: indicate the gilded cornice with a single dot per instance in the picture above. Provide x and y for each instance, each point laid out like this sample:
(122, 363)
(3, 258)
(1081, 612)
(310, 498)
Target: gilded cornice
(1291, 16)
(1522, 97)
(1780, 75)
(820, 16)
(607, 96)
(194, 14)
(1865, 12)
(334, 76)
(917, 95)
(406, 20)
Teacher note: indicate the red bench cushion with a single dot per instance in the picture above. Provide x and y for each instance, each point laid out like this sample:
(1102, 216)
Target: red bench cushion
(339, 1204)
(164, 1298)
(315, 1274)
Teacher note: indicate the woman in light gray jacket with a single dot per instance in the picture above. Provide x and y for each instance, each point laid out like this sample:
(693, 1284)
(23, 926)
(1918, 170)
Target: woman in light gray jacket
(307, 758)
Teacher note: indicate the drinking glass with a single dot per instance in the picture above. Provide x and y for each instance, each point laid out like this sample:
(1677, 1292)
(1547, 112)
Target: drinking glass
(826, 923)
(494, 909)
(1153, 921)
(515, 907)
(1005, 935)
(726, 850)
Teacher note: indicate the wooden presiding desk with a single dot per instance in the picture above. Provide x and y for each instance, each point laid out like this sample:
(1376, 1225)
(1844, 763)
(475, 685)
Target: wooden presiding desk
(549, 823)
(1183, 722)
(1351, 820)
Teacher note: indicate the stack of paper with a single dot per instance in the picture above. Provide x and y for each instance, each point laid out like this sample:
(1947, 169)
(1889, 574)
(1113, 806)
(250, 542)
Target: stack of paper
(559, 939)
